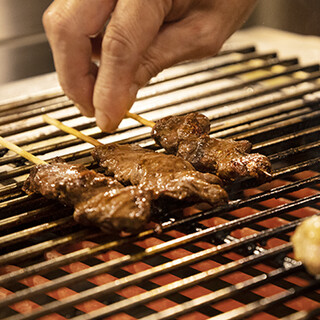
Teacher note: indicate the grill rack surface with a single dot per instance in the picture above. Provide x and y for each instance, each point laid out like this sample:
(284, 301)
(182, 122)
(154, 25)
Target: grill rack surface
(233, 262)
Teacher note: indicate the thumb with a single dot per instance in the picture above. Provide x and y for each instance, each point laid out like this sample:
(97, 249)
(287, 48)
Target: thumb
(132, 28)
(200, 33)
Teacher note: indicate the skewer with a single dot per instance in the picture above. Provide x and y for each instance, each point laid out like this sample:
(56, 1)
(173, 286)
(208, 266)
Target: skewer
(58, 124)
(95, 142)
(70, 130)
(84, 137)
(21, 152)
(151, 124)
(266, 173)
(140, 119)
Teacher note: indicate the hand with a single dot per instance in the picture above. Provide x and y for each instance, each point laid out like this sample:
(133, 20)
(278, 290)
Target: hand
(142, 38)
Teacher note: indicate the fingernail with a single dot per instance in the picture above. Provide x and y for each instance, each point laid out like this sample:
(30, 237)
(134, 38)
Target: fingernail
(84, 111)
(104, 123)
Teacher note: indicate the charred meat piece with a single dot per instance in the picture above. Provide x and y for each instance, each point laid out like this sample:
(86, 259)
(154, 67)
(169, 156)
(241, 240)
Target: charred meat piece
(229, 159)
(98, 200)
(188, 137)
(164, 175)
(168, 132)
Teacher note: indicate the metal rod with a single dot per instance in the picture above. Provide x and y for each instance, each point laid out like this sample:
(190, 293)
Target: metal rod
(179, 285)
(260, 101)
(34, 109)
(85, 253)
(260, 305)
(25, 234)
(152, 294)
(298, 110)
(303, 315)
(35, 250)
(104, 267)
(25, 216)
(225, 293)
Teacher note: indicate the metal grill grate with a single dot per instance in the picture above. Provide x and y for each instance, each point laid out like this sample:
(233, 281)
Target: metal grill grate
(233, 262)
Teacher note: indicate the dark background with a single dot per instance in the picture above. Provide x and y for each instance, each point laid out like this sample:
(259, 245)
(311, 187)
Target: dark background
(24, 51)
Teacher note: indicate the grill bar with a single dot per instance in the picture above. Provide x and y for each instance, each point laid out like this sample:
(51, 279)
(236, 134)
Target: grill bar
(104, 267)
(153, 294)
(37, 121)
(292, 151)
(293, 121)
(166, 290)
(303, 315)
(24, 217)
(222, 294)
(269, 121)
(246, 95)
(257, 198)
(85, 253)
(225, 95)
(22, 235)
(36, 250)
(218, 73)
(258, 306)
(298, 119)
(34, 109)
(308, 164)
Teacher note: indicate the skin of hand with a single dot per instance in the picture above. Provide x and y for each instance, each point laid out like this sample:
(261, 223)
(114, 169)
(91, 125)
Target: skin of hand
(142, 38)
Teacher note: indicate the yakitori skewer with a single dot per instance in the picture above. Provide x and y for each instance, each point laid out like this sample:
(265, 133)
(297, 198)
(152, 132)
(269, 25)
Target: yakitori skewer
(97, 200)
(163, 175)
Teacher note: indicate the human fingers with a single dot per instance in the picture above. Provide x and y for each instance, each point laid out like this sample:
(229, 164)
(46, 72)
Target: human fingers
(201, 33)
(69, 25)
(132, 28)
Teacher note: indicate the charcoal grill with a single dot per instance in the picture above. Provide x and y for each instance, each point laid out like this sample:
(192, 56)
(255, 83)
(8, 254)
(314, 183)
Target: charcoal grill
(232, 262)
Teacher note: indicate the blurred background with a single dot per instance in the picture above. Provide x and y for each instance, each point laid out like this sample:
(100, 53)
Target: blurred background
(24, 50)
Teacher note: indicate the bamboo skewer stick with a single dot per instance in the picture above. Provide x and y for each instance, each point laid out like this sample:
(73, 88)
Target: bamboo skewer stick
(5, 143)
(267, 173)
(95, 142)
(58, 124)
(86, 138)
(140, 119)
(151, 124)
(70, 130)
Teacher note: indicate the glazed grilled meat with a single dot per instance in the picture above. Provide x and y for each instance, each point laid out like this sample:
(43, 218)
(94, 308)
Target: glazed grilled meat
(164, 175)
(170, 131)
(98, 200)
(188, 137)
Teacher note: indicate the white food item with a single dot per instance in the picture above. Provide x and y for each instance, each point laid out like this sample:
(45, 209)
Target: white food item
(306, 244)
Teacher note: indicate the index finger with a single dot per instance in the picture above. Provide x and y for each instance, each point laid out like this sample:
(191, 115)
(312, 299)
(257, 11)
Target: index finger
(69, 24)
(131, 30)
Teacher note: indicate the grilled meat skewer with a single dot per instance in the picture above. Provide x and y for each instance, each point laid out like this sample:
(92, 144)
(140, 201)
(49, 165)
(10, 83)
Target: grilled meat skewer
(188, 137)
(98, 200)
(163, 175)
